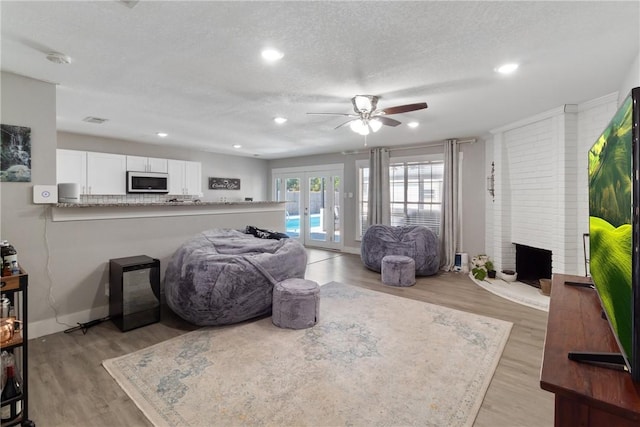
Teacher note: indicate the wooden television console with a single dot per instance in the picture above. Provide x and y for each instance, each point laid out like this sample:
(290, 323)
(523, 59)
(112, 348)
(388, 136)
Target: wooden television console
(585, 395)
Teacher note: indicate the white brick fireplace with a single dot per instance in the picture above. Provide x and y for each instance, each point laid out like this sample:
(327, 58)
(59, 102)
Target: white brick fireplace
(541, 197)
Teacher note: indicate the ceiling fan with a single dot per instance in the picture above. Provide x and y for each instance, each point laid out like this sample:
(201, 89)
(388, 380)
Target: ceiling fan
(368, 118)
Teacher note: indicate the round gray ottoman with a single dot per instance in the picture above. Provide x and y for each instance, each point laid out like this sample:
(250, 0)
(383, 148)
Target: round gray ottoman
(398, 270)
(296, 303)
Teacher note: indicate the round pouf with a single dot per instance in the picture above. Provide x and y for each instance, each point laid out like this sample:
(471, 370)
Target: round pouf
(398, 270)
(296, 303)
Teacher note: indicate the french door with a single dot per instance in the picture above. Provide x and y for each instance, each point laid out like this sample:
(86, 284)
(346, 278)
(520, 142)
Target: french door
(312, 208)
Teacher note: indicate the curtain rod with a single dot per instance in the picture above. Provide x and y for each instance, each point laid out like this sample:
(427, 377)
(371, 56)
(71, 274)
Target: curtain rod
(434, 144)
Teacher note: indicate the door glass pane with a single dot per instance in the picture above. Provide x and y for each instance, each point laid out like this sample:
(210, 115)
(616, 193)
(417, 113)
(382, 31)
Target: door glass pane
(317, 211)
(336, 208)
(278, 190)
(292, 207)
(364, 199)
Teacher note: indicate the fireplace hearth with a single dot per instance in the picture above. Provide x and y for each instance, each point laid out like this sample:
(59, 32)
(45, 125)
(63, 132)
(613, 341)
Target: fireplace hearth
(532, 264)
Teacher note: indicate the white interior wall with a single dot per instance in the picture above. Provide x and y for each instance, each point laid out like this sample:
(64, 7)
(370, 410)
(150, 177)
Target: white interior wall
(631, 80)
(67, 262)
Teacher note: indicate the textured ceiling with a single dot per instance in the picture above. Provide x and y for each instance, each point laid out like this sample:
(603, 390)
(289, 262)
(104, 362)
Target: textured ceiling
(193, 69)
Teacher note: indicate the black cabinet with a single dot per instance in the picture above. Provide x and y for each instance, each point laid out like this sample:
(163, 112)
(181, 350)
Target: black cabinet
(134, 291)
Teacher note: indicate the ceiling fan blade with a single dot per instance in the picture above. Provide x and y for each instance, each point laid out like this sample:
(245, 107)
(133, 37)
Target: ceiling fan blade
(334, 114)
(404, 108)
(345, 123)
(387, 121)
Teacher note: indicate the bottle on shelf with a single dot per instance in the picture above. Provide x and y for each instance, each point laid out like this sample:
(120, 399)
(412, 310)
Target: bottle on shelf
(15, 270)
(5, 305)
(11, 404)
(9, 255)
(6, 269)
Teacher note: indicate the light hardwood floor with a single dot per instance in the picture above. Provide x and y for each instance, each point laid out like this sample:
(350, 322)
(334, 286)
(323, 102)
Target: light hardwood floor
(69, 386)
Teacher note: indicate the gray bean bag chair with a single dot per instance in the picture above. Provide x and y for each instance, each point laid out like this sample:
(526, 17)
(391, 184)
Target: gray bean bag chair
(414, 241)
(223, 276)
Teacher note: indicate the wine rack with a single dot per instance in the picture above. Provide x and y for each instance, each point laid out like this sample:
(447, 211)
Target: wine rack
(15, 288)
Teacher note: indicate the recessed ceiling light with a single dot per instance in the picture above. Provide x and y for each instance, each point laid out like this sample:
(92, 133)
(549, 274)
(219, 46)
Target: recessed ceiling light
(162, 134)
(507, 68)
(272, 55)
(237, 146)
(413, 124)
(280, 120)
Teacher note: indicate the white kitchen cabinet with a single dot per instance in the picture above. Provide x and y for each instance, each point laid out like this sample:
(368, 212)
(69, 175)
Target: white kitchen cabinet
(176, 176)
(193, 178)
(95, 173)
(146, 164)
(185, 177)
(71, 167)
(106, 173)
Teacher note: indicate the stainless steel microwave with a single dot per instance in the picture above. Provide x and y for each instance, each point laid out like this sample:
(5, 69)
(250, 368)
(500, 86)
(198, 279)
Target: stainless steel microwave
(147, 182)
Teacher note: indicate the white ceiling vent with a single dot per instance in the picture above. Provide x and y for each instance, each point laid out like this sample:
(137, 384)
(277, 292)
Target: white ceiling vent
(96, 120)
(129, 3)
(58, 58)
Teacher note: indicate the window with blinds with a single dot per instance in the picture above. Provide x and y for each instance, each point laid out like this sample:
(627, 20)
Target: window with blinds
(415, 193)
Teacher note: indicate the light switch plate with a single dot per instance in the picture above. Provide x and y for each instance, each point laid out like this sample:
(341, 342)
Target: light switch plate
(43, 194)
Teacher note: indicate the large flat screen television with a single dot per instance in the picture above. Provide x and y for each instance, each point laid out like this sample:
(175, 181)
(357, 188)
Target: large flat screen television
(614, 230)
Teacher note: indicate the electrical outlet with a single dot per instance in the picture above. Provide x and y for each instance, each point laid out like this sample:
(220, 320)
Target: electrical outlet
(106, 289)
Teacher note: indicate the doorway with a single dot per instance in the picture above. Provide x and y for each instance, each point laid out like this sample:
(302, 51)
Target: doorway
(312, 204)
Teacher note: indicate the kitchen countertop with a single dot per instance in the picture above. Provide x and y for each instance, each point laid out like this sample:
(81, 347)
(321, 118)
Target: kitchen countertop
(160, 204)
(115, 210)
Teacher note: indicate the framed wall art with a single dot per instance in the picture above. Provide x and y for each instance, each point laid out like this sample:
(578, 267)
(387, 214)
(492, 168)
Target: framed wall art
(15, 153)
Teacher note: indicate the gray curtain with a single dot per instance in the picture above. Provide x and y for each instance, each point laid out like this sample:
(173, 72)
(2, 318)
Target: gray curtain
(379, 202)
(450, 221)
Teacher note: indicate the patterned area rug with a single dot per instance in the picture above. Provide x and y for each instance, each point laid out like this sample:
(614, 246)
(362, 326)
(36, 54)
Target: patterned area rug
(373, 359)
(515, 291)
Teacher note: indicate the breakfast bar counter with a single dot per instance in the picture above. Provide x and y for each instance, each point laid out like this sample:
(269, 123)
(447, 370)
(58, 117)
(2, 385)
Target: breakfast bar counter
(115, 210)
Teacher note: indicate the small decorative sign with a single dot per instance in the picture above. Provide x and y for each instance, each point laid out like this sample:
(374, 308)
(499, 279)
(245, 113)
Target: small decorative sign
(224, 183)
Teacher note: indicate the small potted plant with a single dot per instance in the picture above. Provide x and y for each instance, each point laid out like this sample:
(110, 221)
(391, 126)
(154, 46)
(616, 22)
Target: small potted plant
(482, 267)
(491, 272)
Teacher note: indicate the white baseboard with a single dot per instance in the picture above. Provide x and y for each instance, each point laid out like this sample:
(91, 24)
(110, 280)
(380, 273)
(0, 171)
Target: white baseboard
(351, 250)
(51, 326)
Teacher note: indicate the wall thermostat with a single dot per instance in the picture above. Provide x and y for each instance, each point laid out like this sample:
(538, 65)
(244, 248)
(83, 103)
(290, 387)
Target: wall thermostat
(45, 194)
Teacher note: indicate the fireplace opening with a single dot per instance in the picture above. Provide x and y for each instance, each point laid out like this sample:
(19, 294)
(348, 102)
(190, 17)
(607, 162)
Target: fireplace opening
(532, 264)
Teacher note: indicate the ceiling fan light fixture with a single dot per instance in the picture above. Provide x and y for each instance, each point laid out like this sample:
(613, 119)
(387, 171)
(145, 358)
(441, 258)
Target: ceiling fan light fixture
(375, 125)
(365, 103)
(280, 120)
(360, 127)
(413, 125)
